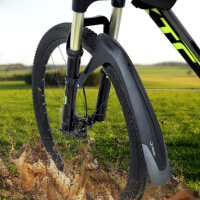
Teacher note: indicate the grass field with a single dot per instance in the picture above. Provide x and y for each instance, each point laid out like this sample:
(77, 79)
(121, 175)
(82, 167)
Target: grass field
(181, 77)
(9, 73)
(178, 113)
(168, 77)
(14, 85)
(164, 71)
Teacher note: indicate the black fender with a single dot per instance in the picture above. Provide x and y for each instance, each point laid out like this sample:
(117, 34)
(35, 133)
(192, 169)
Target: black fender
(108, 50)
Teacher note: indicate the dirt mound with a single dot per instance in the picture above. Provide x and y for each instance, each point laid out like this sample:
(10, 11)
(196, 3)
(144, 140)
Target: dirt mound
(39, 177)
(33, 154)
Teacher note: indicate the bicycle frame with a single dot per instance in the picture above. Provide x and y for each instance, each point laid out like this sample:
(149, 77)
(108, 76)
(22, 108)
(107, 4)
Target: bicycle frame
(169, 24)
(166, 21)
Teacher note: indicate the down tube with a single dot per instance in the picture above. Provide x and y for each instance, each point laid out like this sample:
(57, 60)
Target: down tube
(178, 36)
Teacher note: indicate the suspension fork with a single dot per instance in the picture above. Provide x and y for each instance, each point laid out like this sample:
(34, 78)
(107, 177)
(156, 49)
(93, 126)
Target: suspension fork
(73, 65)
(104, 86)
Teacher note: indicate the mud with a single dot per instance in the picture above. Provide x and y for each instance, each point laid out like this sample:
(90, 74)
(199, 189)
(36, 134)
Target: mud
(33, 154)
(38, 178)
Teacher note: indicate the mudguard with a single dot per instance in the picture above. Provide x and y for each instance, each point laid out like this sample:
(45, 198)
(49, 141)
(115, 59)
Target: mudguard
(109, 51)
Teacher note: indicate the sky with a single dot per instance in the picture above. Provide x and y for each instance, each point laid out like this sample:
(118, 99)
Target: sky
(24, 22)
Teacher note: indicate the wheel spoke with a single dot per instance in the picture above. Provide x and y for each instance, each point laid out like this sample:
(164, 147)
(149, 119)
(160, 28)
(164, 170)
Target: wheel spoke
(102, 104)
(79, 97)
(53, 100)
(62, 55)
(62, 92)
(52, 91)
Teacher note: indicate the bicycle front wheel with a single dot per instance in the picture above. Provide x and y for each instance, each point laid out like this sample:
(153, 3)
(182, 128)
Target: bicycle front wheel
(111, 157)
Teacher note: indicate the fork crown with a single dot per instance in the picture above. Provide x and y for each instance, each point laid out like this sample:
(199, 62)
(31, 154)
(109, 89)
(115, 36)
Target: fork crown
(81, 6)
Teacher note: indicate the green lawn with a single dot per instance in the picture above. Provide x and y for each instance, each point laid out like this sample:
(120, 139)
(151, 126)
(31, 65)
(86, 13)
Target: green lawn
(11, 72)
(16, 114)
(179, 115)
(181, 77)
(14, 85)
(165, 71)
(177, 111)
(168, 77)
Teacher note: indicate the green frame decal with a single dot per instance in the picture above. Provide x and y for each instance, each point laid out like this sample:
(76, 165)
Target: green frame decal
(174, 38)
(65, 100)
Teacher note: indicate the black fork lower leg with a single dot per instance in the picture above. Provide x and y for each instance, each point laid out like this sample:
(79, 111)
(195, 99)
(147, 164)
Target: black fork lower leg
(72, 72)
(102, 100)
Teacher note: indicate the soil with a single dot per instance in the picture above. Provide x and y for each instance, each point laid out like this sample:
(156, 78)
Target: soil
(38, 178)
